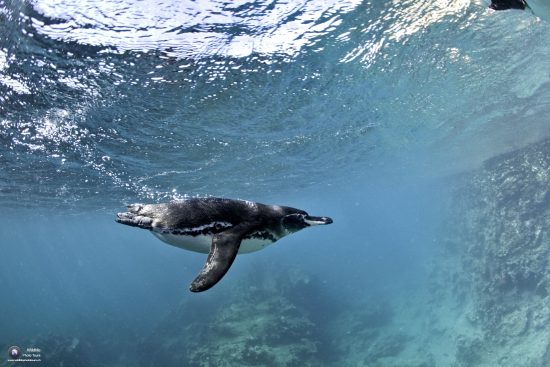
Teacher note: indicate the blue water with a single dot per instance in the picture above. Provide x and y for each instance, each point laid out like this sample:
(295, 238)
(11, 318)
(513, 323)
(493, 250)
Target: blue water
(363, 111)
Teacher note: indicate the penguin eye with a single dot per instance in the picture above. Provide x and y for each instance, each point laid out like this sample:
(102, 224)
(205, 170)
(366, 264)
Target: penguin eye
(296, 217)
(294, 221)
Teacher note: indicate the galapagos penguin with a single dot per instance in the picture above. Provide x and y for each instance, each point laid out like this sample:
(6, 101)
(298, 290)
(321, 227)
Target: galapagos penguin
(219, 227)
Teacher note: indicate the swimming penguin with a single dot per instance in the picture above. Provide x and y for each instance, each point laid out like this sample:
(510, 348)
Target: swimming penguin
(541, 8)
(219, 227)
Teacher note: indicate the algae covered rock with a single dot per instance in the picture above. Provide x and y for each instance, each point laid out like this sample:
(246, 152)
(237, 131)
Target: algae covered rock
(500, 236)
(261, 325)
(515, 323)
(367, 335)
(269, 331)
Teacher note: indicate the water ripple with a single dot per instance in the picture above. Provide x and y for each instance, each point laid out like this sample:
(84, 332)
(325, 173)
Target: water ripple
(248, 98)
(192, 29)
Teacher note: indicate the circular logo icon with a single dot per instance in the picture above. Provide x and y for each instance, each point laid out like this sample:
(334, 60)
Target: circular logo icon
(14, 352)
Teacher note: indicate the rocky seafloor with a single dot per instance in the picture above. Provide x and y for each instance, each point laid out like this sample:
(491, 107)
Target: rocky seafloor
(286, 320)
(495, 262)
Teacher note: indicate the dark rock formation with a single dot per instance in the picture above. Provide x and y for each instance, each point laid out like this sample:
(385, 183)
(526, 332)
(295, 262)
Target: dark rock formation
(496, 261)
(257, 326)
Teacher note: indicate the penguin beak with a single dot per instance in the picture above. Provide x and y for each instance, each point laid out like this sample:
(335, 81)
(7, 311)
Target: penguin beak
(314, 221)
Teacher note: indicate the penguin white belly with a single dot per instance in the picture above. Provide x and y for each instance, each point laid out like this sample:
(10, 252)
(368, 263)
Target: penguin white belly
(201, 243)
(253, 244)
(541, 8)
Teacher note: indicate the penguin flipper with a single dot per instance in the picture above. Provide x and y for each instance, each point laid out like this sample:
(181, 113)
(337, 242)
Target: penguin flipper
(223, 251)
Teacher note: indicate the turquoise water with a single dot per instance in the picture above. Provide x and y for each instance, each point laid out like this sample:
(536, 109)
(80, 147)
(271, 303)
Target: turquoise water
(367, 112)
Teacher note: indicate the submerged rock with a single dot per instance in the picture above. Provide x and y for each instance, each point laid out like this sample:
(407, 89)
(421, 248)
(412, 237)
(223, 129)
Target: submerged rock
(267, 332)
(500, 239)
(258, 326)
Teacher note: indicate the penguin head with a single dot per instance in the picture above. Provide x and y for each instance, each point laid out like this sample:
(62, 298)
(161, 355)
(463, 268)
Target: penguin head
(294, 222)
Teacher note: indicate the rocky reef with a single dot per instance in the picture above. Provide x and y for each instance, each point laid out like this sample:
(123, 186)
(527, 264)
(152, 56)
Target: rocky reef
(494, 268)
(285, 319)
(258, 326)
(257, 331)
(367, 336)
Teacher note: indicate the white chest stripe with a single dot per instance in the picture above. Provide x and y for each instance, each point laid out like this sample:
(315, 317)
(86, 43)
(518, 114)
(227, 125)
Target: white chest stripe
(201, 243)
